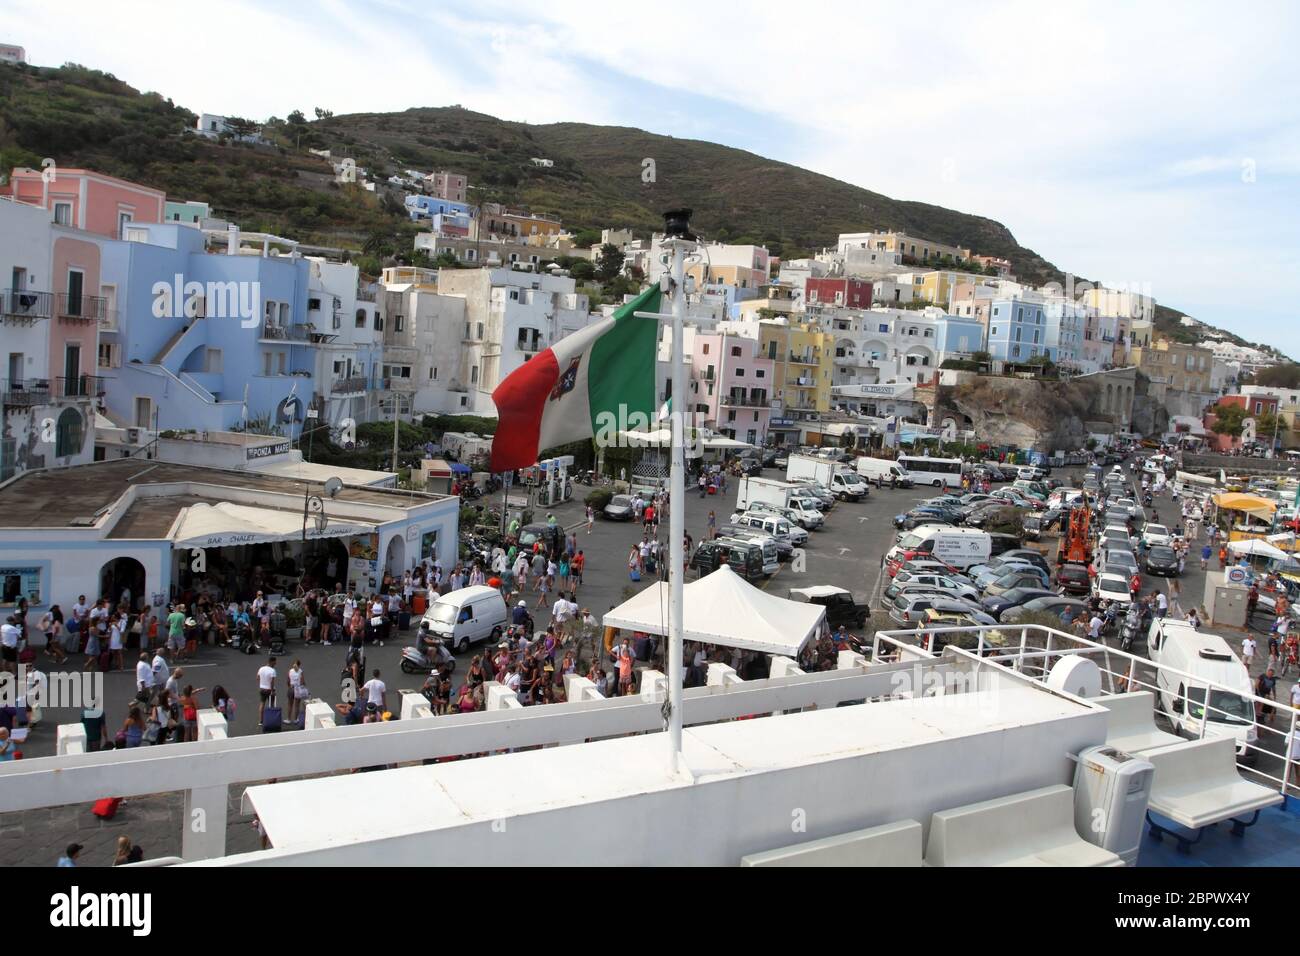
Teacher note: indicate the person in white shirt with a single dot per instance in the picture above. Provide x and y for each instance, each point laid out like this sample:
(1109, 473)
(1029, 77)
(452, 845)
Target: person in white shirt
(377, 620)
(1248, 651)
(10, 633)
(1094, 627)
(376, 691)
(266, 675)
(1162, 604)
(295, 690)
(159, 667)
(143, 676)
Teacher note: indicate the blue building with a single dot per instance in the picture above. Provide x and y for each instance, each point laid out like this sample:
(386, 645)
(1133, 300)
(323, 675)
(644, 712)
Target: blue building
(211, 342)
(955, 335)
(426, 207)
(1018, 330)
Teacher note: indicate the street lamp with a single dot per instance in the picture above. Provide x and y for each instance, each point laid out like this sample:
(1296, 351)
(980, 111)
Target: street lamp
(314, 504)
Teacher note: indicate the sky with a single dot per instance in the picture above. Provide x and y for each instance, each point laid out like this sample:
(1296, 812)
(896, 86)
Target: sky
(1150, 145)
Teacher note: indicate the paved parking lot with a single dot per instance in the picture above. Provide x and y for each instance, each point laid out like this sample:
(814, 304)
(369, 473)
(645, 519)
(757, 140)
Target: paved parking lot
(847, 553)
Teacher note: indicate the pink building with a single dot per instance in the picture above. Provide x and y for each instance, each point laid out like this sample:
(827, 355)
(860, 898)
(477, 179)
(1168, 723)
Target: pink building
(732, 385)
(88, 200)
(449, 186)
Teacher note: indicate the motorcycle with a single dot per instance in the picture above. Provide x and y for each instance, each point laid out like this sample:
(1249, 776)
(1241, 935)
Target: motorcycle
(1129, 630)
(427, 655)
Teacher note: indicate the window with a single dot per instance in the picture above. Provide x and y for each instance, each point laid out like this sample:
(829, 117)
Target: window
(379, 322)
(480, 330)
(70, 433)
(313, 305)
(760, 373)
(882, 328)
(740, 373)
(122, 219)
(929, 333)
(433, 375)
(361, 319)
(63, 213)
(284, 313)
(397, 323)
(735, 351)
(107, 355)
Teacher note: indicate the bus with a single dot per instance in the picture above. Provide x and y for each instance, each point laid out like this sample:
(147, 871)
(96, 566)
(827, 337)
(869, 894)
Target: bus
(939, 472)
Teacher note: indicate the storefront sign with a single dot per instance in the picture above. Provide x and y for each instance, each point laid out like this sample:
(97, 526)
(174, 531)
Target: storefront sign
(268, 451)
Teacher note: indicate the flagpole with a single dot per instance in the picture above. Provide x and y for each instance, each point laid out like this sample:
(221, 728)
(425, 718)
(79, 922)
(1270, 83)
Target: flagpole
(679, 238)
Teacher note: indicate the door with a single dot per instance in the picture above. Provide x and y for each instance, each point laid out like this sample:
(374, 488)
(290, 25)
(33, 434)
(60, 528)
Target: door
(143, 412)
(15, 367)
(72, 384)
(75, 282)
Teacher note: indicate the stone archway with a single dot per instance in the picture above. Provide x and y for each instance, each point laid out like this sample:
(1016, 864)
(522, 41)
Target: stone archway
(123, 577)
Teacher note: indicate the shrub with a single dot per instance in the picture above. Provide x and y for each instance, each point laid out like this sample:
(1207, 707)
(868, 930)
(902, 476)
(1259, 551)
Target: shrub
(597, 498)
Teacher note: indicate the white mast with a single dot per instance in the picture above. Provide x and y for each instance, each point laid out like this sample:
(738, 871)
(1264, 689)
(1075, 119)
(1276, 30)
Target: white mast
(679, 240)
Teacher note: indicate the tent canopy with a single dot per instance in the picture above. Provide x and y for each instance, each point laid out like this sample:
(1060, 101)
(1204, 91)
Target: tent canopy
(1257, 548)
(1252, 505)
(723, 608)
(216, 526)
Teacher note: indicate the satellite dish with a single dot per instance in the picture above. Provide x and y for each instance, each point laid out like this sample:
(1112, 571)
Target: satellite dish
(333, 487)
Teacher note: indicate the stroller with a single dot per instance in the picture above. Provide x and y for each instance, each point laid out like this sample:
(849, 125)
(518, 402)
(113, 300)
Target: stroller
(244, 640)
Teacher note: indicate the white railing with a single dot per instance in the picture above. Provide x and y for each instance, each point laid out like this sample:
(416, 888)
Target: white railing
(1033, 649)
(205, 769)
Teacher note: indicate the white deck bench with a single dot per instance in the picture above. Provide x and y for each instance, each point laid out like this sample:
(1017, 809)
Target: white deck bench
(1131, 723)
(1196, 785)
(1035, 828)
(893, 844)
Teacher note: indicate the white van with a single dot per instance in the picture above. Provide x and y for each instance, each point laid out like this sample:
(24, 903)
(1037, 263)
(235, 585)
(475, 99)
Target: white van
(1190, 661)
(959, 547)
(849, 485)
(881, 470)
(466, 616)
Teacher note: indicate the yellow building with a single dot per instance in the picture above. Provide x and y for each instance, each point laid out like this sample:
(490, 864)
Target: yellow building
(913, 247)
(1175, 365)
(937, 287)
(803, 362)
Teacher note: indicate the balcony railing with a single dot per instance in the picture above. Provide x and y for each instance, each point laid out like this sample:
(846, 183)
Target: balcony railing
(802, 359)
(80, 308)
(530, 347)
(23, 306)
(81, 386)
(25, 391)
(275, 333)
(352, 385)
(745, 401)
(395, 383)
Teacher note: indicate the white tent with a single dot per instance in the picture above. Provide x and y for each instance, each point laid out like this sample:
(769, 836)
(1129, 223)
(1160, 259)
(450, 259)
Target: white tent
(723, 608)
(217, 526)
(1257, 548)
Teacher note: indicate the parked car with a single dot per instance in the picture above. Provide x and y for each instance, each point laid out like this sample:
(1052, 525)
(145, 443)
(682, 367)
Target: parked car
(1162, 560)
(1074, 579)
(1118, 556)
(916, 518)
(1155, 534)
(998, 603)
(1109, 586)
(839, 604)
(910, 608)
(1026, 577)
(933, 579)
(1065, 608)
(550, 537)
(620, 508)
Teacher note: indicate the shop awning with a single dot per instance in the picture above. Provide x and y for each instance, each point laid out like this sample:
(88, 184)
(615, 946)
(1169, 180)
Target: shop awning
(723, 608)
(225, 524)
(1252, 505)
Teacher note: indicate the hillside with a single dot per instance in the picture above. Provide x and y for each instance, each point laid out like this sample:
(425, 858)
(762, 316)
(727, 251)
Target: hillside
(81, 117)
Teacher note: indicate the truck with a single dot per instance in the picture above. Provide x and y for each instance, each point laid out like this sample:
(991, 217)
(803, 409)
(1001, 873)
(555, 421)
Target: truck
(830, 474)
(766, 491)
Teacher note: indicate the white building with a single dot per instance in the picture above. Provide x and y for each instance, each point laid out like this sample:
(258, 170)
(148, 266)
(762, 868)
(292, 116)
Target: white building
(12, 54)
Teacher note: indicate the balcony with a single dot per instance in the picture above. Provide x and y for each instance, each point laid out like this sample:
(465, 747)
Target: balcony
(744, 401)
(87, 309)
(802, 359)
(22, 306)
(396, 383)
(353, 385)
(80, 387)
(25, 392)
(529, 347)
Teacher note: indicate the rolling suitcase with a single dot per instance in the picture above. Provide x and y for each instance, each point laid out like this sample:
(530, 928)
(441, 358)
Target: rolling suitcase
(272, 717)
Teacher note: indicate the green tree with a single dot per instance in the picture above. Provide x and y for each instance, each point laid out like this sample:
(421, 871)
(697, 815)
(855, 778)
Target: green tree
(1279, 376)
(582, 269)
(610, 262)
(1228, 419)
(296, 119)
(240, 127)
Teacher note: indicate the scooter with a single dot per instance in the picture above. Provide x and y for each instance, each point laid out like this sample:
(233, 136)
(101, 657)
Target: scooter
(427, 656)
(243, 640)
(1128, 632)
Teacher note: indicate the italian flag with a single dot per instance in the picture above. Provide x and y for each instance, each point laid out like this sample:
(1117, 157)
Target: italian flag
(564, 393)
